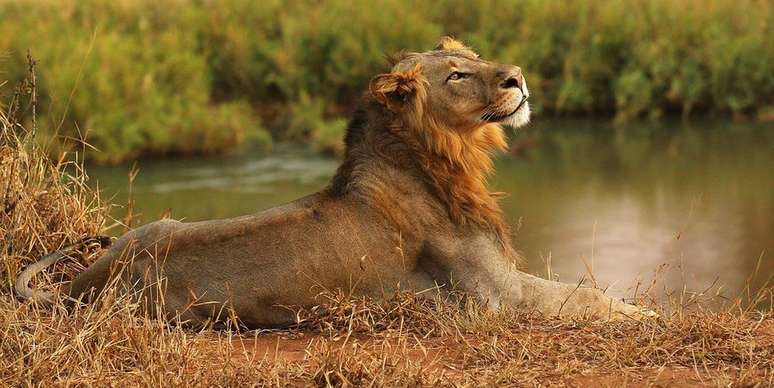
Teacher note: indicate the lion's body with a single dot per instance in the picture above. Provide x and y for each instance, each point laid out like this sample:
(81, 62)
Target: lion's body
(407, 209)
(280, 257)
(374, 229)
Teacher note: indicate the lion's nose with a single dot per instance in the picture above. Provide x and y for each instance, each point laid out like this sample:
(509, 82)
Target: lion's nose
(511, 82)
(513, 79)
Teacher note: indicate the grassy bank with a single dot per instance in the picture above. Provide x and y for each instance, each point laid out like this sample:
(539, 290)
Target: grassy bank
(138, 78)
(404, 340)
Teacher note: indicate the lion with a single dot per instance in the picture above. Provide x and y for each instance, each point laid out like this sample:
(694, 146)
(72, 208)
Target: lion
(407, 209)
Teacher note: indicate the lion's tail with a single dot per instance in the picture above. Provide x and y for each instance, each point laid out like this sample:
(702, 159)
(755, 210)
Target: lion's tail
(22, 281)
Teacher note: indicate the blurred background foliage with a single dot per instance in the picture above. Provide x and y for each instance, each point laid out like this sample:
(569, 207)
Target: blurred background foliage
(154, 78)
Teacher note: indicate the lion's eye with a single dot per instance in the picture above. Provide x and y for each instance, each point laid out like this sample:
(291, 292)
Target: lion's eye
(457, 76)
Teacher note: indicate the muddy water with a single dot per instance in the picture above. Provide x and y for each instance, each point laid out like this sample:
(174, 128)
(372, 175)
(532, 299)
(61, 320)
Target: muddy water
(694, 200)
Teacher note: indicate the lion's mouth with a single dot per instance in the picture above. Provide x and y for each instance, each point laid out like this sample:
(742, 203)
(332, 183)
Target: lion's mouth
(493, 118)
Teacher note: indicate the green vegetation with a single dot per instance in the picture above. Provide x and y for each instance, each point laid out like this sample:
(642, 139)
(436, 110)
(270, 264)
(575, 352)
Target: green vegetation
(143, 78)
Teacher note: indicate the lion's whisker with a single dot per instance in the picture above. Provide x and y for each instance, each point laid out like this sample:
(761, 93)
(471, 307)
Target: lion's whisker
(487, 114)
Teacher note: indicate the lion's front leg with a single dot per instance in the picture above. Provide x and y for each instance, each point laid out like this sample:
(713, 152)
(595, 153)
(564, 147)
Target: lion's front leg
(511, 287)
(521, 290)
(478, 267)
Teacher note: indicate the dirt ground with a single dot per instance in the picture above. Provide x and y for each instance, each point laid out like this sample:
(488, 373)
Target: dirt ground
(506, 357)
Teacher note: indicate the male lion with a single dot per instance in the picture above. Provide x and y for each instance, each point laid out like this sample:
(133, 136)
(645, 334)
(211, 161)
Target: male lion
(408, 208)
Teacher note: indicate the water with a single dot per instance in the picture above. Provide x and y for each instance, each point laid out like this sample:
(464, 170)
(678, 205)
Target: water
(695, 200)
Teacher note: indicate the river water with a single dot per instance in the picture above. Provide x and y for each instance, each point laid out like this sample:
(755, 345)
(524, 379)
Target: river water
(688, 204)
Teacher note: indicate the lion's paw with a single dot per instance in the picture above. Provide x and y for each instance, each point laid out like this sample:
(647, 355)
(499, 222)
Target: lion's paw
(622, 311)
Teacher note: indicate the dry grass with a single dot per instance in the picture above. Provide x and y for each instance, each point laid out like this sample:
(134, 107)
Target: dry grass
(406, 340)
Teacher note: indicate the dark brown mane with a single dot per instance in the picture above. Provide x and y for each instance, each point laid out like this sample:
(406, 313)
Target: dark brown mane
(453, 165)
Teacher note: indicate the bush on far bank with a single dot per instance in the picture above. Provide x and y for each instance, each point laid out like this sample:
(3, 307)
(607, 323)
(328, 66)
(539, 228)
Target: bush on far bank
(156, 78)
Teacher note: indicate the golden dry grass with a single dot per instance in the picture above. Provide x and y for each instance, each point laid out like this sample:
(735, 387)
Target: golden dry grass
(405, 340)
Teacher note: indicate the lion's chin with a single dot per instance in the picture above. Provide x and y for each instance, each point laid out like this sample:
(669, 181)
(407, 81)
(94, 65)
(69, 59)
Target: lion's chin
(519, 118)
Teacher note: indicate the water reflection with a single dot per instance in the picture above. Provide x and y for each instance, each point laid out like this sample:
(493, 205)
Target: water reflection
(626, 200)
(196, 189)
(586, 195)
(249, 176)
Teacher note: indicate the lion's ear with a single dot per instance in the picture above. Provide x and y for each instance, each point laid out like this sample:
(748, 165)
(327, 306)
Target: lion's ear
(396, 88)
(449, 43)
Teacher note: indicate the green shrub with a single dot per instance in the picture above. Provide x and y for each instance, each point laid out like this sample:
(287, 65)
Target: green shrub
(633, 93)
(304, 115)
(308, 121)
(127, 79)
(328, 137)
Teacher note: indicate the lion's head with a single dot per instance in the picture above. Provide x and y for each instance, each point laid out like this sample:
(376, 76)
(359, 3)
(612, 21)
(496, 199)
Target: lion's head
(454, 88)
(448, 105)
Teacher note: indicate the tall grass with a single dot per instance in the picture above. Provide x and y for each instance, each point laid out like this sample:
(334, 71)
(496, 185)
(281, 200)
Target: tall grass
(140, 77)
(44, 204)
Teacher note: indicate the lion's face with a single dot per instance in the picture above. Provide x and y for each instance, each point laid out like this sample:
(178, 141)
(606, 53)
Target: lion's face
(459, 90)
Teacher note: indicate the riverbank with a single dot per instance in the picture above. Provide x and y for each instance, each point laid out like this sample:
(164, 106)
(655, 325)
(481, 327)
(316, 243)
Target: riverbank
(141, 78)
